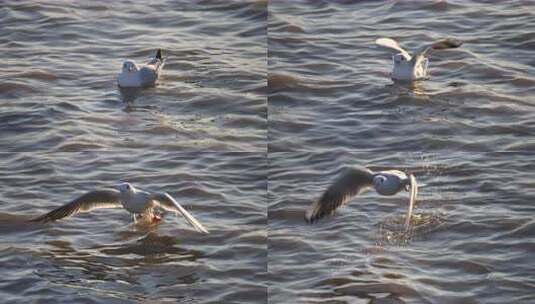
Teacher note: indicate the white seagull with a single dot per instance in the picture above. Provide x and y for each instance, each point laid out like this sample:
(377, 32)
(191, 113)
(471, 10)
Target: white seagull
(409, 68)
(138, 202)
(354, 181)
(133, 75)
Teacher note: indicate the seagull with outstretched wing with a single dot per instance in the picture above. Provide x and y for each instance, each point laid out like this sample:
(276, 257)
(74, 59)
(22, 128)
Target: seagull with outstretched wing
(354, 181)
(138, 202)
(409, 68)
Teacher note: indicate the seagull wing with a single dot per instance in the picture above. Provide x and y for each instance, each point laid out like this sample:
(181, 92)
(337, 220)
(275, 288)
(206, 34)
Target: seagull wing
(449, 43)
(149, 73)
(412, 200)
(392, 44)
(85, 203)
(350, 183)
(168, 203)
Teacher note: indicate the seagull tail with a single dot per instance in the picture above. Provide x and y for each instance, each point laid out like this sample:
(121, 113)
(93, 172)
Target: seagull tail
(159, 54)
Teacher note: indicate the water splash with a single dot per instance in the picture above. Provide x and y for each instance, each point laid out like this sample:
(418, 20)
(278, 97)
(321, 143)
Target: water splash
(393, 230)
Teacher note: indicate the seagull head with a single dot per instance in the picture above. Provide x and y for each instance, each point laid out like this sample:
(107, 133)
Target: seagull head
(407, 70)
(400, 59)
(390, 182)
(129, 66)
(125, 188)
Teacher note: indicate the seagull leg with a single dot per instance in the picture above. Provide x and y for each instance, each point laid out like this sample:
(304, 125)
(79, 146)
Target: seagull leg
(134, 217)
(150, 217)
(156, 218)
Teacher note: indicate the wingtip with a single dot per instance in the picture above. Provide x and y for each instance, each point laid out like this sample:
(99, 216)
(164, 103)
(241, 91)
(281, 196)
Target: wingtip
(41, 220)
(36, 220)
(200, 228)
(159, 54)
(448, 43)
(455, 41)
(311, 215)
(380, 40)
(310, 220)
(307, 219)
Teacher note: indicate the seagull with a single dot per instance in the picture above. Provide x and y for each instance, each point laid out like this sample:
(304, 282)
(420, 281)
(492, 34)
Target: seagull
(409, 68)
(133, 75)
(356, 180)
(138, 202)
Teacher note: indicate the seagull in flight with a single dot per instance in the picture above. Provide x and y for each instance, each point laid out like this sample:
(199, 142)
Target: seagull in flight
(139, 203)
(409, 68)
(354, 181)
(133, 75)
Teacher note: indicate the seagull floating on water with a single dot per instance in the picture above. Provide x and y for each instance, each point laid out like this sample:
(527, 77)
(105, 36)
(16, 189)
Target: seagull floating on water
(133, 75)
(138, 202)
(409, 68)
(354, 181)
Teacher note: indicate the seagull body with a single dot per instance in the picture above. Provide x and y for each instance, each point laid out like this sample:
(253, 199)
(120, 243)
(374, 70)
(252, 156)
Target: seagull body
(133, 75)
(352, 182)
(138, 202)
(409, 68)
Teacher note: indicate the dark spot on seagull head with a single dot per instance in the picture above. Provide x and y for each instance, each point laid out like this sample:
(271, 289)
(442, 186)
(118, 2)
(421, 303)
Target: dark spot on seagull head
(129, 66)
(124, 187)
(399, 58)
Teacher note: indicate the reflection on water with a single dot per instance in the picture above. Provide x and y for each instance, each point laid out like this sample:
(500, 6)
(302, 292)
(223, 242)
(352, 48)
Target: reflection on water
(413, 90)
(152, 244)
(129, 95)
(140, 262)
(128, 265)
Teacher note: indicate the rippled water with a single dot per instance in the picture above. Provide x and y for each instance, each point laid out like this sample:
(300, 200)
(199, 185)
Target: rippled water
(101, 257)
(472, 240)
(329, 84)
(260, 105)
(60, 61)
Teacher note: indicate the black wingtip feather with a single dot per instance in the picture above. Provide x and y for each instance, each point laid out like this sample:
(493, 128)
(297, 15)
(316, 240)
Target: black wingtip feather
(449, 43)
(159, 54)
(308, 220)
(40, 219)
